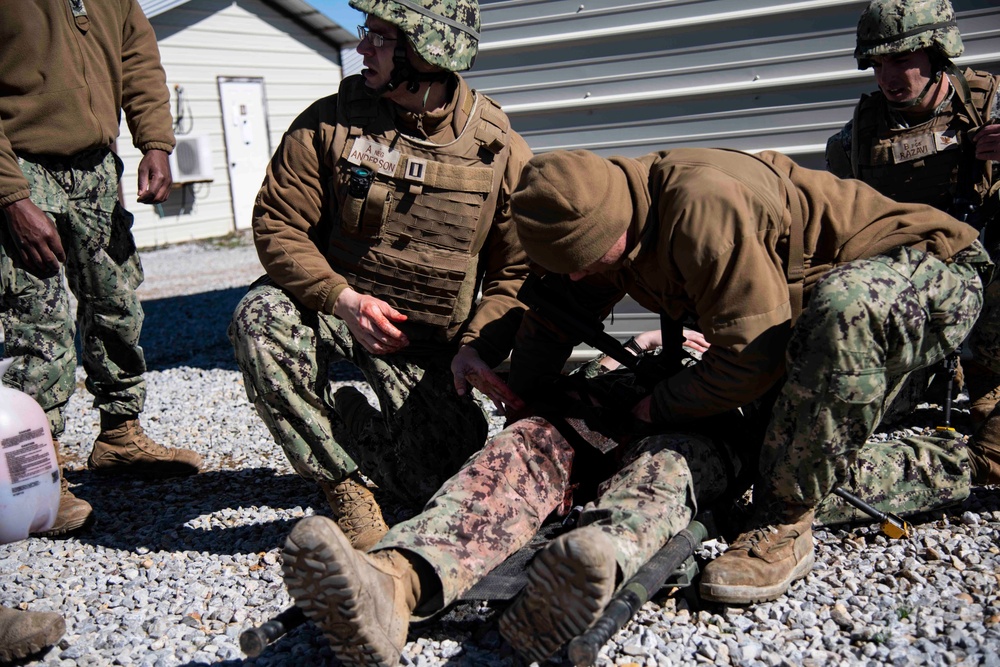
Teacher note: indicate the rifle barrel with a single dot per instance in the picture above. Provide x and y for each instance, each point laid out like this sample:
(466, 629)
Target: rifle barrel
(255, 640)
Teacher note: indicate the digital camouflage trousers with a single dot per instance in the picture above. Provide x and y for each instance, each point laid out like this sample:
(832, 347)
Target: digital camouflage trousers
(102, 269)
(421, 435)
(868, 324)
(499, 499)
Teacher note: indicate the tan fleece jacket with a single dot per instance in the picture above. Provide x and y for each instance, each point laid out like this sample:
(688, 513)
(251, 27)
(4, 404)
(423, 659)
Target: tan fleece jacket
(62, 88)
(296, 212)
(712, 230)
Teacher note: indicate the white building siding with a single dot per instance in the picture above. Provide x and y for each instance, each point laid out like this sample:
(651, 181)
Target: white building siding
(200, 41)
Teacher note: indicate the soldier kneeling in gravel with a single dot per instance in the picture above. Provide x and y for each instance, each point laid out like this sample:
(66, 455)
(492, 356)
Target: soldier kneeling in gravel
(384, 228)
(817, 288)
(738, 243)
(931, 134)
(648, 491)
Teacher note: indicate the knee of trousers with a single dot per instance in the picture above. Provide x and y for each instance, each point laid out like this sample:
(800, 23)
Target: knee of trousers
(305, 436)
(266, 333)
(672, 468)
(531, 455)
(264, 311)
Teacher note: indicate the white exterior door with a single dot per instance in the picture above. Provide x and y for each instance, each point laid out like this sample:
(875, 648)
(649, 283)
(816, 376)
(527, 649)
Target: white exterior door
(248, 143)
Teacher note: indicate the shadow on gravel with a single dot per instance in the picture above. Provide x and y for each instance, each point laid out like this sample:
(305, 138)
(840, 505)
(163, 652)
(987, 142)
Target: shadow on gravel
(981, 499)
(132, 514)
(304, 646)
(190, 330)
(473, 631)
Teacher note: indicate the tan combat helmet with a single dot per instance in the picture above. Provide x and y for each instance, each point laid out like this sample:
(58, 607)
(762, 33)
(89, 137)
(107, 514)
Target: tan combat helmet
(444, 32)
(888, 27)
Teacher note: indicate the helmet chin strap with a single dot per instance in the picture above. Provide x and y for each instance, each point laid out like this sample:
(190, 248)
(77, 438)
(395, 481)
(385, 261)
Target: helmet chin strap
(403, 72)
(916, 101)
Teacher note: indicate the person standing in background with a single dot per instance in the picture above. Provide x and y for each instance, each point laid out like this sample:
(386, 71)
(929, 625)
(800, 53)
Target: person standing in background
(930, 135)
(68, 68)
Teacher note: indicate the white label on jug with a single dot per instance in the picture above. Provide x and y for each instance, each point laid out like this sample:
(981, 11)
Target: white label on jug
(23, 436)
(18, 490)
(26, 456)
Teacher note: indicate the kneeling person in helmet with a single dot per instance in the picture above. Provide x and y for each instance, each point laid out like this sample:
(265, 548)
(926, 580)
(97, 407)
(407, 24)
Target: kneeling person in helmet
(930, 135)
(384, 228)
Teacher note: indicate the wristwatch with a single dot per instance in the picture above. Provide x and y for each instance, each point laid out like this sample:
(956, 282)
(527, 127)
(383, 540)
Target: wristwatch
(632, 346)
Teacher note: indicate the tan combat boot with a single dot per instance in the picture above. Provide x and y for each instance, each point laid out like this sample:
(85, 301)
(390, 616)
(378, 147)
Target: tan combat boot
(23, 633)
(363, 602)
(984, 390)
(984, 451)
(74, 513)
(356, 511)
(127, 450)
(761, 564)
(569, 584)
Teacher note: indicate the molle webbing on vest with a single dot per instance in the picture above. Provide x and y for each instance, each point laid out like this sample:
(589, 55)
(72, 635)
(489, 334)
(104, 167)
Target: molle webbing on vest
(492, 131)
(398, 276)
(445, 176)
(932, 179)
(417, 234)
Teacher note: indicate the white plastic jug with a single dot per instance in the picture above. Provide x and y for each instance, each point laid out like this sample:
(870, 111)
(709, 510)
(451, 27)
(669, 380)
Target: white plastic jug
(29, 470)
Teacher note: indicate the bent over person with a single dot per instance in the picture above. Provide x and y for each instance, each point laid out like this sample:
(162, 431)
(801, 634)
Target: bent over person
(68, 68)
(813, 286)
(384, 228)
(931, 134)
(771, 262)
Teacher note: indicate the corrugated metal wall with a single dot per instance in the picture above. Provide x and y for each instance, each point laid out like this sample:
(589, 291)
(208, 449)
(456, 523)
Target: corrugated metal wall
(628, 78)
(631, 78)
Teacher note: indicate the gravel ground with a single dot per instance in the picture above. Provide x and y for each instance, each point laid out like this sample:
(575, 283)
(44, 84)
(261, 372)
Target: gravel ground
(173, 571)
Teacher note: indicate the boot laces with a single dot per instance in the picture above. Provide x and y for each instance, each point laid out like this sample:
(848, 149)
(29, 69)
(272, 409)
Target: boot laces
(355, 504)
(147, 444)
(762, 535)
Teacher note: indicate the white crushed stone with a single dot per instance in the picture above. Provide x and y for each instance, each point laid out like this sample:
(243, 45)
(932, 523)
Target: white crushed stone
(173, 571)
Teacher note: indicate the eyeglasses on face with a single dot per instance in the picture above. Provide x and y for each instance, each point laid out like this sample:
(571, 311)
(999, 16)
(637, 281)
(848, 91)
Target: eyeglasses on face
(377, 40)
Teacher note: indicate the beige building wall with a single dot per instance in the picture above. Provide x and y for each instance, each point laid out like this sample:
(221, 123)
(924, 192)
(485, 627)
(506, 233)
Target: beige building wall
(201, 41)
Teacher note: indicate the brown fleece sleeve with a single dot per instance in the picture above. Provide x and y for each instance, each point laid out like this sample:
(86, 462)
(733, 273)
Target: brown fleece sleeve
(145, 98)
(737, 289)
(287, 215)
(13, 184)
(498, 314)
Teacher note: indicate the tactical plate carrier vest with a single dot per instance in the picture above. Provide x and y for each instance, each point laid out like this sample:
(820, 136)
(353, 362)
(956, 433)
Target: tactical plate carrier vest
(413, 215)
(924, 164)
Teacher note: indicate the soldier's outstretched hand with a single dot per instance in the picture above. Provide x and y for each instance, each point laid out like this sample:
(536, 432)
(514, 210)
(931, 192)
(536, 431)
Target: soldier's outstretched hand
(469, 370)
(36, 238)
(370, 320)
